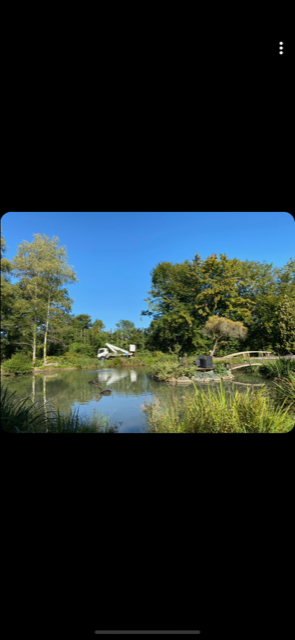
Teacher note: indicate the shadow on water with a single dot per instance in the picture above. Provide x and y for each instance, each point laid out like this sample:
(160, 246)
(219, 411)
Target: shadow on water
(121, 392)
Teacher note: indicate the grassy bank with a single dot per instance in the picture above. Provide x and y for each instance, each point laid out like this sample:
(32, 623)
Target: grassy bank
(62, 363)
(216, 412)
(23, 416)
(73, 360)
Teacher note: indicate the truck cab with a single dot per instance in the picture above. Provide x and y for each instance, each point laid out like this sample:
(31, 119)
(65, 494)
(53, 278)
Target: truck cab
(102, 353)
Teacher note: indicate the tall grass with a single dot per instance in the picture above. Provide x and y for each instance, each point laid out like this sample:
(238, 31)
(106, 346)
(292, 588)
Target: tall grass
(215, 412)
(285, 391)
(277, 368)
(24, 416)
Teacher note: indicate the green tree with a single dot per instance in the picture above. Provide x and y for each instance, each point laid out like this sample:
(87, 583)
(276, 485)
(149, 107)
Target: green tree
(42, 268)
(125, 333)
(183, 296)
(8, 294)
(286, 325)
(82, 323)
(218, 328)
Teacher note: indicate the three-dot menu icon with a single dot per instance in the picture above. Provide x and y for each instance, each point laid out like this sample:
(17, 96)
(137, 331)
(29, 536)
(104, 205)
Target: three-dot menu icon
(281, 48)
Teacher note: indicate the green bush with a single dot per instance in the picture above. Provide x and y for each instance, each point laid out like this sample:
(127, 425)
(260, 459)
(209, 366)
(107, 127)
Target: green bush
(38, 362)
(18, 364)
(164, 369)
(70, 359)
(221, 369)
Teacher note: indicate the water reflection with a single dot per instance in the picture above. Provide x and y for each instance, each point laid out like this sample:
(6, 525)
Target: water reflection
(129, 389)
(110, 376)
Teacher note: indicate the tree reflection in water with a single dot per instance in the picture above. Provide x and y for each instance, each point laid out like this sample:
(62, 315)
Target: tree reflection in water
(127, 390)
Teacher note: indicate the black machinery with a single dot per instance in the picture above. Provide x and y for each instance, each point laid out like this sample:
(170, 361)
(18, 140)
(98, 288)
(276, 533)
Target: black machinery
(201, 362)
(204, 362)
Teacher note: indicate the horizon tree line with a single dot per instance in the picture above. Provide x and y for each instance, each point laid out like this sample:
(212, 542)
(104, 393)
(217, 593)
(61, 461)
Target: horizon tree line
(220, 305)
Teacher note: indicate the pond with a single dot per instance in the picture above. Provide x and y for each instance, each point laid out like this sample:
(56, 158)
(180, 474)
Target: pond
(68, 390)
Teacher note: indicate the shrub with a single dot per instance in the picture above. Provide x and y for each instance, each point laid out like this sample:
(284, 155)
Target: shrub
(77, 347)
(38, 362)
(164, 369)
(19, 363)
(221, 369)
(70, 358)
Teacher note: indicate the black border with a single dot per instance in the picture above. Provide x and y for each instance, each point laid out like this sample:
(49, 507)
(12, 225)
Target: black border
(240, 163)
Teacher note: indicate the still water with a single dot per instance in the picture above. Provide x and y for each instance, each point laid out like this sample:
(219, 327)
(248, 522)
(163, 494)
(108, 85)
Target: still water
(68, 390)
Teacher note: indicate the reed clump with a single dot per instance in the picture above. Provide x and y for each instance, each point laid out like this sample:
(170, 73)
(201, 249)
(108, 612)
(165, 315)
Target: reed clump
(24, 416)
(278, 368)
(216, 411)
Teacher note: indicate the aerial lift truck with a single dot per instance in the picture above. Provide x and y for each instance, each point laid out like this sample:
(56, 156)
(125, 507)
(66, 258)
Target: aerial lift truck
(104, 354)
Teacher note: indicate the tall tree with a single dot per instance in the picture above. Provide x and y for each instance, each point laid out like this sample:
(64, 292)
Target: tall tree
(8, 295)
(183, 296)
(42, 268)
(286, 325)
(126, 332)
(82, 322)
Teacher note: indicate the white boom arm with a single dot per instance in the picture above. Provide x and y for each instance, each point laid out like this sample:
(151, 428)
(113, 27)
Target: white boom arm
(115, 349)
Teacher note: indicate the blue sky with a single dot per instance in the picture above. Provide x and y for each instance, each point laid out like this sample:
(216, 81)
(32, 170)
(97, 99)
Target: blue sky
(114, 253)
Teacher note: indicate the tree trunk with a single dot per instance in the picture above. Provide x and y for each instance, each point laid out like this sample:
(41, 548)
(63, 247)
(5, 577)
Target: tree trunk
(34, 342)
(33, 388)
(46, 332)
(35, 332)
(215, 345)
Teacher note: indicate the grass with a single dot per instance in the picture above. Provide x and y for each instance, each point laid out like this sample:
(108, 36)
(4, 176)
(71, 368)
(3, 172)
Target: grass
(285, 391)
(278, 368)
(215, 412)
(24, 416)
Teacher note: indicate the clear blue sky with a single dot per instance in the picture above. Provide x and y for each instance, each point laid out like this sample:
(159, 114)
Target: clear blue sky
(114, 253)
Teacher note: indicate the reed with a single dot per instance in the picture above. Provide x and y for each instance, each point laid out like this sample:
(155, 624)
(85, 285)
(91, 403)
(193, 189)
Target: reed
(218, 412)
(285, 391)
(277, 368)
(24, 416)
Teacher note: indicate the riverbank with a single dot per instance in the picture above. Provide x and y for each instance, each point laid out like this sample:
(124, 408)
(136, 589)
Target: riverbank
(5, 374)
(166, 367)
